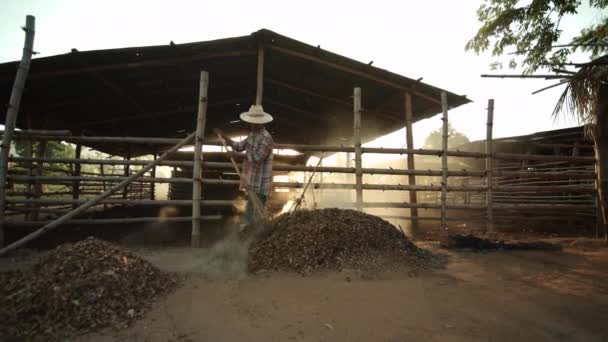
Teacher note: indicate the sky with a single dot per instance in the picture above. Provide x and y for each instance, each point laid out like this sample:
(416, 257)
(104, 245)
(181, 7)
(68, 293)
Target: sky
(412, 38)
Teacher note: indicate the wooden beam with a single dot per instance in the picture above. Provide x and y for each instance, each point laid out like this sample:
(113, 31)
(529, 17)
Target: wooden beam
(354, 72)
(13, 111)
(391, 116)
(142, 64)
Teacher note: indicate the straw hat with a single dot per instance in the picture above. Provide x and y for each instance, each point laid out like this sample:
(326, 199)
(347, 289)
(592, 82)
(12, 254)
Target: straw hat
(256, 115)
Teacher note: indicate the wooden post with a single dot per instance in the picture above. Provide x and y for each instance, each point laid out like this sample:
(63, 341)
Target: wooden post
(29, 152)
(197, 173)
(127, 171)
(357, 142)
(77, 167)
(259, 90)
(93, 201)
(489, 167)
(103, 183)
(39, 171)
(444, 163)
(409, 137)
(13, 111)
(152, 184)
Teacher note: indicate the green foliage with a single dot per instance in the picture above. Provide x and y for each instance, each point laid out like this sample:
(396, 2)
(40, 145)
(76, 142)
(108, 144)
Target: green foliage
(533, 30)
(455, 139)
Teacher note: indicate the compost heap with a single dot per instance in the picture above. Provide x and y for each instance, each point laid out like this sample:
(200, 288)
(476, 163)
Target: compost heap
(332, 239)
(77, 288)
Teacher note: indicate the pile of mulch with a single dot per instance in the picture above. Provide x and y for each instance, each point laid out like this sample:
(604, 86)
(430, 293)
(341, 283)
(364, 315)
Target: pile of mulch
(468, 241)
(78, 288)
(332, 239)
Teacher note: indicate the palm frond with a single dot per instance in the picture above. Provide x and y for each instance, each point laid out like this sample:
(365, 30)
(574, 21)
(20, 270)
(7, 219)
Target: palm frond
(580, 99)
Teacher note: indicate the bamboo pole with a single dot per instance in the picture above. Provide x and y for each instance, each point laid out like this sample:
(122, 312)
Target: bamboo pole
(559, 208)
(357, 142)
(297, 168)
(323, 148)
(38, 172)
(197, 173)
(13, 111)
(409, 137)
(76, 184)
(93, 201)
(384, 187)
(129, 220)
(29, 150)
(152, 184)
(444, 162)
(120, 201)
(489, 166)
(259, 90)
(127, 173)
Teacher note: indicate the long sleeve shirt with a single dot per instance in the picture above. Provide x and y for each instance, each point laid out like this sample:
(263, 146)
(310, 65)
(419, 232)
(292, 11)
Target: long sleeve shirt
(256, 175)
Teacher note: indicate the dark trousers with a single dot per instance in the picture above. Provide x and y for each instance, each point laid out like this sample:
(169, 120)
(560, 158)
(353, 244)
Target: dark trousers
(249, 210)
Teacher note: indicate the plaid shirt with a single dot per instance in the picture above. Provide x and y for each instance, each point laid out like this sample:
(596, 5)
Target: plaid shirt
(257, 166)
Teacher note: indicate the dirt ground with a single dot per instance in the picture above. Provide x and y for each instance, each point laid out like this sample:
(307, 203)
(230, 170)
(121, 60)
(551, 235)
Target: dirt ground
(495, 296)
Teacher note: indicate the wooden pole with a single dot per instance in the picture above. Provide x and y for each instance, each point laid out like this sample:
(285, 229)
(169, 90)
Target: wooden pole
(76, 184)
(444, 162)
(357, 142)
(93, 201)
(127, 171)
(13, 111)
(152, 184)
(197, 173)
(29, 150)
(259, 90)
(39, 172)
(103, 184)
(489, 167)
(409, 137)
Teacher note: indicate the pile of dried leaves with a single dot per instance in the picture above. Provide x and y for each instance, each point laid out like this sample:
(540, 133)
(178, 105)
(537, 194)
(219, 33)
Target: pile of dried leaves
(78, 288)
(333, 239)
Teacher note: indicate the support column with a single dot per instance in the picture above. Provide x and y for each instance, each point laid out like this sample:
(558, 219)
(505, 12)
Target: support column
(12, 112)
(29, 152)
(444, 163)
(409, 137)
(127, 171)
(153, 184)
(357, 142)
(197, 173)
(77, 167)
(259, 90)
(39, 171)
(490, 168)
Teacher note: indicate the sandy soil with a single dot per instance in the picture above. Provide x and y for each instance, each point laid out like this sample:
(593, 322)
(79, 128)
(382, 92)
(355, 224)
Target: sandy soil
(496, 296)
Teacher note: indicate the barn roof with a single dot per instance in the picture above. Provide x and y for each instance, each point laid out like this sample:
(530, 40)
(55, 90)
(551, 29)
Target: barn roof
(152, 91)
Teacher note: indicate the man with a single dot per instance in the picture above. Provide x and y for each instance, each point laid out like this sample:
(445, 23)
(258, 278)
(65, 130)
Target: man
(256, 175)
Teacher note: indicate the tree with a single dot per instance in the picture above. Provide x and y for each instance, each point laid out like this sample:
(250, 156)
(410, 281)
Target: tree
(455, 139)
(532, 29)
